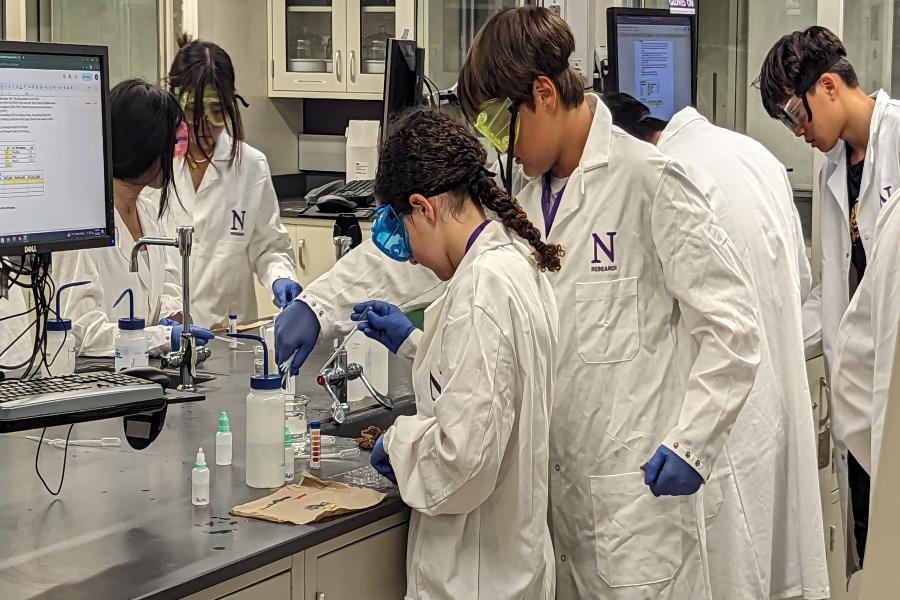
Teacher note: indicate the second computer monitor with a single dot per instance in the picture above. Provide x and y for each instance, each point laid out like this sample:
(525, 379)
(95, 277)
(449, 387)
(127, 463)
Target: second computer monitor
(402, 80)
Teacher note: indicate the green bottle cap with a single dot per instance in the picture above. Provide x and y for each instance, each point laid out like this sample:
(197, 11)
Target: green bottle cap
(223, 422)
(288, 440)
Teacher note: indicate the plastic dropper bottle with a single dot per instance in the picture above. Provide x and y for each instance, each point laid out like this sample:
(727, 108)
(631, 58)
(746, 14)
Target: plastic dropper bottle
(265, 425)
(60, 341)
(288, 455)
(200, 481)
(132, 344)
(223, 441)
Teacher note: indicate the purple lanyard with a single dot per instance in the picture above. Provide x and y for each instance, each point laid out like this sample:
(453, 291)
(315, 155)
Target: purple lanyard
(475, 234)
(549, 205)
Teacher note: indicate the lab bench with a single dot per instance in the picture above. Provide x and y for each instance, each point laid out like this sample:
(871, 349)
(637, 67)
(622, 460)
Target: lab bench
(123, 526)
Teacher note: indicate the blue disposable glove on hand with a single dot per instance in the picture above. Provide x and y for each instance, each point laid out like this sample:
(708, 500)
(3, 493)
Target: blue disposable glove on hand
(202, 336)
(381, 461)
(668, 474)
(285, 291)
(296, 329)
(384, 323)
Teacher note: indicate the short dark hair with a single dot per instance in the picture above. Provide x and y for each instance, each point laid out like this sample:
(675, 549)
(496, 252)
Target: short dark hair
(430, 153)
(797, 57)
(515, 47)
(199, 64)
(633, 116)
(144, 121)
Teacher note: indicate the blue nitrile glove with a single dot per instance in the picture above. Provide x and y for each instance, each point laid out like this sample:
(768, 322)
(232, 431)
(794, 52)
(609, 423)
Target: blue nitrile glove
(285, 291)
(202, 336)
(296, 330)
(383, 322)
(381, 461)
(668, 474)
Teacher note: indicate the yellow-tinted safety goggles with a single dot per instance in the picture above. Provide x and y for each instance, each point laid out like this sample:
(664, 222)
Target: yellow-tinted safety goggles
(212, 107)
(493, 122)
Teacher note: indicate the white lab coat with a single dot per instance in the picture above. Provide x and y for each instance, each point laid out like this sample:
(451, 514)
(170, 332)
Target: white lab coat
(157, 292)
(472, 462)
(237, 233)
(881, 177)
(866, 345)
(764, 516)
(12, 327)
(648, 273)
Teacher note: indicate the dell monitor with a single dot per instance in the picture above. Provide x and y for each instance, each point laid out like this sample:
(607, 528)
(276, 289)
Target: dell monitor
(55, 163)
(653, 57)
(403, 80)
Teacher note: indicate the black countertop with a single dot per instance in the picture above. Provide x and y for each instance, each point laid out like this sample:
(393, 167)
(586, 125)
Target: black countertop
(123, 526)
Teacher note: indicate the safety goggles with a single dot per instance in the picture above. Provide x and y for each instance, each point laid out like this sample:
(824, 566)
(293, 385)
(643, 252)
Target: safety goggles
(494, 122)
(794, 113)
(389, 234)
(212, 107)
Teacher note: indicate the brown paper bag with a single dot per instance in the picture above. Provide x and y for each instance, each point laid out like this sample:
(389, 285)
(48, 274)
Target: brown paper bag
(309, 501)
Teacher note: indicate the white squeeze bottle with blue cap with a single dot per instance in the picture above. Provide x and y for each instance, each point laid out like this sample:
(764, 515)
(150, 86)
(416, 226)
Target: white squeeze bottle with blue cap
(265, 425)
(60, 340)
(132, 343)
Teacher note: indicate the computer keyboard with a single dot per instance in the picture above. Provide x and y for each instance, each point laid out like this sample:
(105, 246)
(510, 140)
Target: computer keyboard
(69, 394)
(360, 191)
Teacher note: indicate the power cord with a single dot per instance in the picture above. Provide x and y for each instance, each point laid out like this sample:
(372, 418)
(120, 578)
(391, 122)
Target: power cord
(37, 456)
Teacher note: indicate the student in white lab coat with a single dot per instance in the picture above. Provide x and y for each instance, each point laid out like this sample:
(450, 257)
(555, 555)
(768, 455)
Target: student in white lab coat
(807, 82)
(773, 492)
(658, 331)
(144, 120)
(225, 191)
(472, 461)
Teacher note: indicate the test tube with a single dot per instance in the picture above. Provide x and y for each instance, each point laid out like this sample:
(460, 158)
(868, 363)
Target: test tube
(315, 445)
(232, 328)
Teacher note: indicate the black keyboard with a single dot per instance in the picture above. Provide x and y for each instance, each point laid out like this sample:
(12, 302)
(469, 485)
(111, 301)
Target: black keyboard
(80, 393)
(360, 191)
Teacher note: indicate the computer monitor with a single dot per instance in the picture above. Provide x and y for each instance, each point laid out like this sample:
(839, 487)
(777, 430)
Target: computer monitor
(653, 57)
(55, 163)
(403, 80)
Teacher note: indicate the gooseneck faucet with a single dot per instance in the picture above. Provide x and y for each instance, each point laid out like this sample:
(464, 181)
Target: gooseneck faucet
(187, 355)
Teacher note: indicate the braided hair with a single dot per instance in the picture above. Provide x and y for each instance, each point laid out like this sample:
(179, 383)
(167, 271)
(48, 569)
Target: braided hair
(431, 154)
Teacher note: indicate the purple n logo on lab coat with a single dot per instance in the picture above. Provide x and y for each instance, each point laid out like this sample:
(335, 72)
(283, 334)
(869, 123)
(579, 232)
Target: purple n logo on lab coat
(237, 222)
(607, 248)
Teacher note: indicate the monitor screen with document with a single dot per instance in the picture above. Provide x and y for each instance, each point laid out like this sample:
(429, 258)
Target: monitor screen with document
(55, 163)
(652, 56)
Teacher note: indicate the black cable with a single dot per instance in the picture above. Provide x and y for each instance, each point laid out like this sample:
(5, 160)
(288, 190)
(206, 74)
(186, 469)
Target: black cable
(37, 455)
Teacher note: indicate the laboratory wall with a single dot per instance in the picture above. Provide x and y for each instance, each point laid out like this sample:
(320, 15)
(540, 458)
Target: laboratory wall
(270, 124)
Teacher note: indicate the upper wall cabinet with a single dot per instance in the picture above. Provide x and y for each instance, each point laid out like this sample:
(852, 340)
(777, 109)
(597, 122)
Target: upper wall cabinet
(334, 48)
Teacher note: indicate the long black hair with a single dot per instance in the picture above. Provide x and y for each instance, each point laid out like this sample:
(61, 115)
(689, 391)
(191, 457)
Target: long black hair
(200, 64)
(429, 153)
(144, 119)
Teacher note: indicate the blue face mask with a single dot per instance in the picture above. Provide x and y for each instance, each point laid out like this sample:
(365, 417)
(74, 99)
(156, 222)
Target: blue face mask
(389, 234)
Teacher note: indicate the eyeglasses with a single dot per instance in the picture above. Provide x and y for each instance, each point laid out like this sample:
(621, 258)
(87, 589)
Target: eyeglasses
(212, 107)
(493, 122)
(794, 112)
(389, 234)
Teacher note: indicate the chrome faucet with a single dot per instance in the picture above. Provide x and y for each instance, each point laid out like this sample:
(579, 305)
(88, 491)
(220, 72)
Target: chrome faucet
(186, 357)
(337, 373)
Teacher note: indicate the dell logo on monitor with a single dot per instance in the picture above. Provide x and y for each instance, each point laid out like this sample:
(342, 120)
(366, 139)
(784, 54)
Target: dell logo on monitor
(30, 249)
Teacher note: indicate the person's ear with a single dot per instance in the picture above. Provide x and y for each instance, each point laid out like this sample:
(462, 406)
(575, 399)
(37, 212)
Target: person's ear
(829, 83)
(424, 208)
(545, 94)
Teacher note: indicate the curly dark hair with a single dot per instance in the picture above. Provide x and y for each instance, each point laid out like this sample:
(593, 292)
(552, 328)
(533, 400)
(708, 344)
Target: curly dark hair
(431, 154)
(797, 60)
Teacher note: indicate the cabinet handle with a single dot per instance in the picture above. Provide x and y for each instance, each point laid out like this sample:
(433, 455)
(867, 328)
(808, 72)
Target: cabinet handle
(353, 66)
(301, 244)
(320, 596)
(824, 413)
(337, 65)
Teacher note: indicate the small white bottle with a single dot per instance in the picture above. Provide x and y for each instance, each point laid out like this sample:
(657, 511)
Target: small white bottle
(60, 356)
(200, 481)
(288, 455)
(232, 329)
(265, 426)
(223, 441)
(132, 343)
